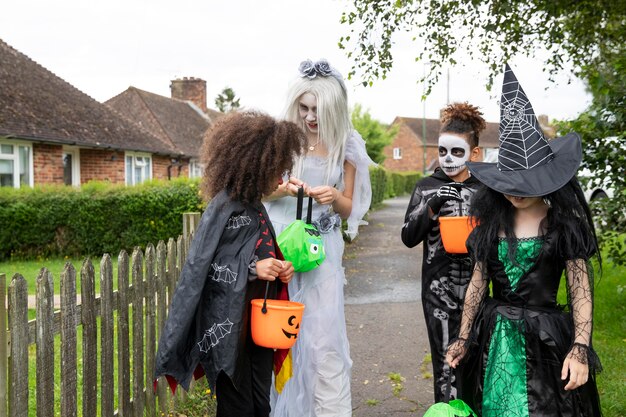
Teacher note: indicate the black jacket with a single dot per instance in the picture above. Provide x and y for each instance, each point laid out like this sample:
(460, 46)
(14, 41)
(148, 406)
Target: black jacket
(208, 320)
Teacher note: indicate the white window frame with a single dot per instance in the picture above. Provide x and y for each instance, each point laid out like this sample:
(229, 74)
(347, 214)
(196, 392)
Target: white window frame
(195, 168)
(75, 152)
(397, 153)
(135, 163)
(16, 160)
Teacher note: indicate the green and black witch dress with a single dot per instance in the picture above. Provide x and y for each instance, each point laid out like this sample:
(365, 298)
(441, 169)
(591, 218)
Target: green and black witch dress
(520, 335)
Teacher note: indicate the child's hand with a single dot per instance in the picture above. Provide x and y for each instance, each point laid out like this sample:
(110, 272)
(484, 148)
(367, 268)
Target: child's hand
(456, 352)
(323, 194)
(578, 372)
(287, 273)
(291, 186)
(268, 269)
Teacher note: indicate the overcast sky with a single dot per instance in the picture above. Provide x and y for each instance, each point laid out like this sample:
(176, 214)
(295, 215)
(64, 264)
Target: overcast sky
(252, 46)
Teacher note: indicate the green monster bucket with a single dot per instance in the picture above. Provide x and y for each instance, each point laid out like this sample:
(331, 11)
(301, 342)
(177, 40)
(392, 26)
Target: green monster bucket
(301, 242)
(447, 408)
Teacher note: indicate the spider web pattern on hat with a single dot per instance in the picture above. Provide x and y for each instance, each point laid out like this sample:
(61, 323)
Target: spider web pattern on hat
(522, 143)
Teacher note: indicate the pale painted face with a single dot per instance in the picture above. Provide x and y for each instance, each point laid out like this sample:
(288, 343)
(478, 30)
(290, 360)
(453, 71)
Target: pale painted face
(307, 107)
(454, 151)
(524, 202)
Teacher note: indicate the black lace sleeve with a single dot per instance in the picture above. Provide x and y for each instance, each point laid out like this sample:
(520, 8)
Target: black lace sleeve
(476, 291)
(580, 300)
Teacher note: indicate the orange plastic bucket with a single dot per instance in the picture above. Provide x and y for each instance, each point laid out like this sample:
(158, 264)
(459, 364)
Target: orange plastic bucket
(279, 326)
(454, 233)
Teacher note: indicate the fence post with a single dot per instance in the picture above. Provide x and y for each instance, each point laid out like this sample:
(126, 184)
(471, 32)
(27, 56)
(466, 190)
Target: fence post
(69, 376)
(138, 332)
(123, 337)
(18, 364)
(190, 223)
(107, 386)
(45, 344)
(3, 345)
(150, 323)
(90, 338)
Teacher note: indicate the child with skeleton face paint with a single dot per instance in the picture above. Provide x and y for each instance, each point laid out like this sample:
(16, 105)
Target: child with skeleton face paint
(446, 192)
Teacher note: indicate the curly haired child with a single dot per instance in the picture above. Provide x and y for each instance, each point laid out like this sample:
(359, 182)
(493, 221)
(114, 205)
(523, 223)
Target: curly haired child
(232, 257)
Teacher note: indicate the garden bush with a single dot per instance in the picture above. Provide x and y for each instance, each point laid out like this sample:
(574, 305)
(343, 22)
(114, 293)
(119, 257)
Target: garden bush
(95, 219)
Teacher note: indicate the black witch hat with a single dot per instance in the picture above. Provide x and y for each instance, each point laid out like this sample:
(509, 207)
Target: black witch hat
(528, 165)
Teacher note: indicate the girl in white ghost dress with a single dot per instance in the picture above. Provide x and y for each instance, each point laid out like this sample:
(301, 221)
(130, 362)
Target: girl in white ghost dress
(334, 172)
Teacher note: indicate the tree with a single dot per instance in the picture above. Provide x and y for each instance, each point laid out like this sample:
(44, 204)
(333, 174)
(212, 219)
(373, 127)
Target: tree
(375, 134)
(603, 128)
(587, 37)
(225, 101)
(491, 31)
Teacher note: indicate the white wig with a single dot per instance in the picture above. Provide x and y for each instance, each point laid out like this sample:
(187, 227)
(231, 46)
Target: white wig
(333, 118)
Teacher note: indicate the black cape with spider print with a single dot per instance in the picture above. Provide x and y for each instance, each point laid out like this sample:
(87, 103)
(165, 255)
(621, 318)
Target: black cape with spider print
(444, 277)
(208, 321)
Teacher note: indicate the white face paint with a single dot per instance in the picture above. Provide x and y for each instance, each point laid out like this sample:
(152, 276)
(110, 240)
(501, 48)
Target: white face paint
(307, 107)
(454, 151)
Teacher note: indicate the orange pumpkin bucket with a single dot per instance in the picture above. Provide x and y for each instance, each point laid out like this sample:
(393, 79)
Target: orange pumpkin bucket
(454, 232)
(276, 323)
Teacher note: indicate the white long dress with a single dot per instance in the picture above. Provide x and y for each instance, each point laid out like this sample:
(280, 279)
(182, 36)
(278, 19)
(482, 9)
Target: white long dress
(320, 384)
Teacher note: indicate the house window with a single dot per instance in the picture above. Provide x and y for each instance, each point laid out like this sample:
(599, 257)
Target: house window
(16, 164)
(138, 168)
(397, 153)
(195, 168)
(71, 166)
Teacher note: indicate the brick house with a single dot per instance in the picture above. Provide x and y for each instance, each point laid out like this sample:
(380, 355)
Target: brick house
(180, 121)
(406, 152)
(52, 133)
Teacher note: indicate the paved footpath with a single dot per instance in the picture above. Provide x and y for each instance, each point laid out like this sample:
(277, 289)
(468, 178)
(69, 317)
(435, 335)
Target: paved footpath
(391, 374)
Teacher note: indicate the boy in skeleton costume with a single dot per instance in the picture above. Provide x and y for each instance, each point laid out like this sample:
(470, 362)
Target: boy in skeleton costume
(446, 192)
(231, 258)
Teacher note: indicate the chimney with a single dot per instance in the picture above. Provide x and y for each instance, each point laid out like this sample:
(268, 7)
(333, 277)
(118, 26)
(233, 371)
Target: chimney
(190, 89)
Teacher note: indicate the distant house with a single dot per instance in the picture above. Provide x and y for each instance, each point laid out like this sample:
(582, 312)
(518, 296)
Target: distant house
(406, 152)
(180, 121)
(52, 133)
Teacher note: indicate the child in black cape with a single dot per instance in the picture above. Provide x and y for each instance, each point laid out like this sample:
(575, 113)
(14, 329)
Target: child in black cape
(232, 257)
(526, 355)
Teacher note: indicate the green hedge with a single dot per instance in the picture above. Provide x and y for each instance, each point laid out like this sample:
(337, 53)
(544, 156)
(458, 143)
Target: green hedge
(388, 184)
(378, 177)
(95, 219)
(103, 218)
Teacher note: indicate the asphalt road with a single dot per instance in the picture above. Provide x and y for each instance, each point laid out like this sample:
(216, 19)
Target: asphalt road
(391, 374)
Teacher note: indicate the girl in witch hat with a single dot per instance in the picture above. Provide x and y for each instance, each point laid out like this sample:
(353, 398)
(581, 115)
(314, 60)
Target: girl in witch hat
(447, 192)
(529, 356)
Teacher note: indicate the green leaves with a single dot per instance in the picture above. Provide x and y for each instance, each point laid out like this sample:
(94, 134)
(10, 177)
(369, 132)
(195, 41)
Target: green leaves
(375, 134)
(98, 218)
(226, 100)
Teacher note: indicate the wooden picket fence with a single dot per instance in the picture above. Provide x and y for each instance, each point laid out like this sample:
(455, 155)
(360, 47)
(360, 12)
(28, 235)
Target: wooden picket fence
(120, 326)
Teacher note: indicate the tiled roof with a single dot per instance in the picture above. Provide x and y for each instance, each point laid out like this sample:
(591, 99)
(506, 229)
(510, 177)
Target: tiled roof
(37, 105)
(488, 138)
(177, 122)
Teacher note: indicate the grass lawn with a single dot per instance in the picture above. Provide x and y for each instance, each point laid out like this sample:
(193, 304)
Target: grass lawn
(30, 269)
(609, 338)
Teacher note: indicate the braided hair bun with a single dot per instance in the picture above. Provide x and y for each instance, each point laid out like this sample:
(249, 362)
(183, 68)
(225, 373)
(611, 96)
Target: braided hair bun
(463, 118)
